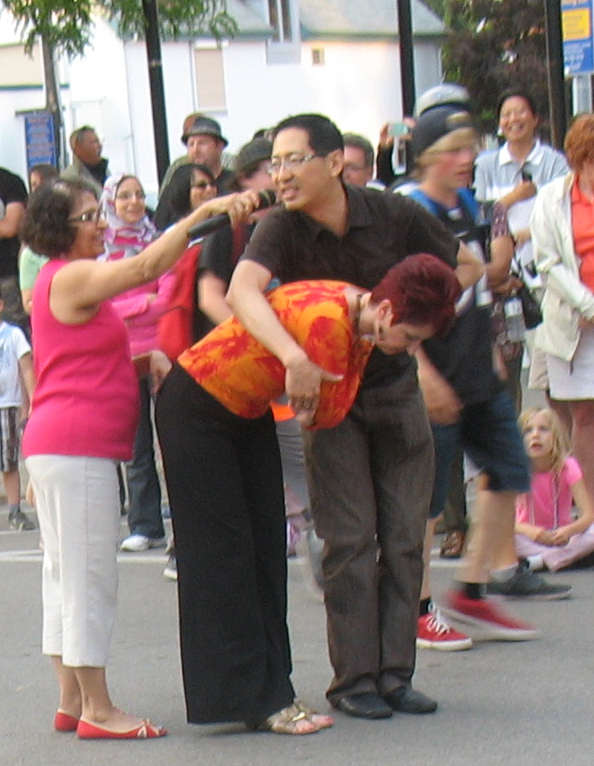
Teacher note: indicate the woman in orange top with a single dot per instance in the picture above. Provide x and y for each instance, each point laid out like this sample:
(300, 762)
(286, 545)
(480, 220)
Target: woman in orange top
(225, 482)
(562, 229)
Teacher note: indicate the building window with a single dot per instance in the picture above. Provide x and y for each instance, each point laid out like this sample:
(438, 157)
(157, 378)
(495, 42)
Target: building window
(17, 70)
(279, 12)
(318, 57)
(210, 79)
(284, 45)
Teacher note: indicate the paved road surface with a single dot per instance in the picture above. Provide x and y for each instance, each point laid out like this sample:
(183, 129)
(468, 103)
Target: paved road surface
(527, 703)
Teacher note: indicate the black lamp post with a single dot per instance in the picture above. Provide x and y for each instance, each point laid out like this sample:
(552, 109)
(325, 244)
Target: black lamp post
(407, 65)
(555, 71)
(153, 52)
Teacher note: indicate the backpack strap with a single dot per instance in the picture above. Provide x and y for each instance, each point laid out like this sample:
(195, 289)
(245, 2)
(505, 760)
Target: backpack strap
(465, 198)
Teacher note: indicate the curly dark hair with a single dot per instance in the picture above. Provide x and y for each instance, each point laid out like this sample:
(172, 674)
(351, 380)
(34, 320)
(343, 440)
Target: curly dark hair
(45, 227)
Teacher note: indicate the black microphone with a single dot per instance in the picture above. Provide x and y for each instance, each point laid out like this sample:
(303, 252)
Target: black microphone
(200, 230)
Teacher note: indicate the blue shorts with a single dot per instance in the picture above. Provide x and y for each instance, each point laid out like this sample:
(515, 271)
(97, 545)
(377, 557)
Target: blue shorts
(489, 434)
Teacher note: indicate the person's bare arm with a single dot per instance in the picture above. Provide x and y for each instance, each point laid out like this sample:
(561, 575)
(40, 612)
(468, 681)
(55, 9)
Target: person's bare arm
(9, 225)
(79, 287)
(442, 402)
(247, 301)
(583, 503)
(524, 190)
(502, 252)
(469, 269)
(538, 535)
(212, 291)
(27, 298)
(27, 376)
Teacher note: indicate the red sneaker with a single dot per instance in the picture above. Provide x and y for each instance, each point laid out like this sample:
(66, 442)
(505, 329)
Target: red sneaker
(486, 620)
(434, 633)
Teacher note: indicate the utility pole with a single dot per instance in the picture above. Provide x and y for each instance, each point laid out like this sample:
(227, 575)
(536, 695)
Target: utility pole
(407, 65)
(155, 65)
(555, 71)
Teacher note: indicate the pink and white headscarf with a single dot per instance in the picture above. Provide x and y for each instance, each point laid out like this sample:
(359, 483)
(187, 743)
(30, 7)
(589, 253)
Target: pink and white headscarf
(123, 240)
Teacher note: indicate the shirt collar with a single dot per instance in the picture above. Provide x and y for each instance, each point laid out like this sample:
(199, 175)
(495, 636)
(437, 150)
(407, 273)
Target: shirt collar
(535, 156)
(358, 215)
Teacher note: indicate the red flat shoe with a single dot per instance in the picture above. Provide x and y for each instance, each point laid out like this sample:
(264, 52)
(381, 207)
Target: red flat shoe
(64, 722)
(146, 730)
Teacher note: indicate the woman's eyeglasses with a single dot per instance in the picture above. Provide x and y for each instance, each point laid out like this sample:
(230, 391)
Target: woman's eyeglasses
(202, 184)
(91, 216)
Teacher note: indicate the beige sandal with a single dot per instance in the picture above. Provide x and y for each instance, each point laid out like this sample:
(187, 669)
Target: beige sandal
(320, 720)
(288, 720)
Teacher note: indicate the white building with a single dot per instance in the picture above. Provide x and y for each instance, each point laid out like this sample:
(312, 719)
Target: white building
(337, 57)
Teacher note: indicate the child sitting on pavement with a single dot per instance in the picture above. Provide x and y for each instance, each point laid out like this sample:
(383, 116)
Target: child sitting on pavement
(16, 369)
(547, 535)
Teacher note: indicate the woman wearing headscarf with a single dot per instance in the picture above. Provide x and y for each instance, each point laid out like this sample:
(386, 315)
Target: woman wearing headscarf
(129, 231)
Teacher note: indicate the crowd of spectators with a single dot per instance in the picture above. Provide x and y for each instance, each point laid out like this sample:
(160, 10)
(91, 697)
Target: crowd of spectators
(372, 326)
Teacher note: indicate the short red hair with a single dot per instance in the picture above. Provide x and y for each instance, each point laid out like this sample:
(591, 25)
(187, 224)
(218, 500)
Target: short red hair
(579, 141)
(422, 290)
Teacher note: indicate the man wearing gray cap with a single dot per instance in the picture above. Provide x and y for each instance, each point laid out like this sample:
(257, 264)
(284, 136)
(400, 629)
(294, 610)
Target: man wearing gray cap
(205, 143)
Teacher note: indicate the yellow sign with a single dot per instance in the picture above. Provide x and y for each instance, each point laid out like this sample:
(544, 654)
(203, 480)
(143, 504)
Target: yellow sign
(576, 24)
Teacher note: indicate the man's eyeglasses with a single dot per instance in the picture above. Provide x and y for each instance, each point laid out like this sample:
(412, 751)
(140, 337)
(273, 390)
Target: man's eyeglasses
(355, 168)
(91, 216)
(126, 195)
(291, 163)
(202, 184)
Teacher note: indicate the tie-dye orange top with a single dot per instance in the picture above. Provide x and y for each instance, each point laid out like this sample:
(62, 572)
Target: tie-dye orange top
(244, 376)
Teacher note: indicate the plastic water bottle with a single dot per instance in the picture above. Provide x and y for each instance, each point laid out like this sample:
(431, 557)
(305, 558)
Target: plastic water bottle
(514, 320)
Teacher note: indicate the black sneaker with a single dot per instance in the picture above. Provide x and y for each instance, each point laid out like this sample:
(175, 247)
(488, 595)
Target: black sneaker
(20, 521)
(525, 583)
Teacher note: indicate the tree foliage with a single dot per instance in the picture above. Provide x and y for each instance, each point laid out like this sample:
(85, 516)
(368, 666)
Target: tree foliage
(493, 45)
(67, 25)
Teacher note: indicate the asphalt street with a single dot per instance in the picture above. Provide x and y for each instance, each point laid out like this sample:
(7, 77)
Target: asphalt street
(530, 703)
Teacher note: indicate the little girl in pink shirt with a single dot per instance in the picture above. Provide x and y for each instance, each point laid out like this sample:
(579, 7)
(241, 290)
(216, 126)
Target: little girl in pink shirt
(547, 534)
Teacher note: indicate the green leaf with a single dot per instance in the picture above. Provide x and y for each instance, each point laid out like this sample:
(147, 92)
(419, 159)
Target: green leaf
(67, 25)
(493, 45)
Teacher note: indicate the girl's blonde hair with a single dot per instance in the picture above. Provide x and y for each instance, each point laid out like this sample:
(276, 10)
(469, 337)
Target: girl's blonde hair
(561, 446)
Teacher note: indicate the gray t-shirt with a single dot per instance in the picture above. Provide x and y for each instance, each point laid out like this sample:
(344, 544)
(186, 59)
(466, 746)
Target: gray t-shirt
(497, 173)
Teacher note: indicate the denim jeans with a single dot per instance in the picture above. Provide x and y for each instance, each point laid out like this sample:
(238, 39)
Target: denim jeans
(488, 432)
(144, 491)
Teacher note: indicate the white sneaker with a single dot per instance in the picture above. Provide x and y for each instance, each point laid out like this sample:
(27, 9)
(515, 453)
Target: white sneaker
(137, 543)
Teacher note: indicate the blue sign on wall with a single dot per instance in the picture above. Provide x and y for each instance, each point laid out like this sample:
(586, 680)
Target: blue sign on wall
(39, 138)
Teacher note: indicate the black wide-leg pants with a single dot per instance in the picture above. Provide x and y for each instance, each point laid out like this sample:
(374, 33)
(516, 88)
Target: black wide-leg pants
(225, 487)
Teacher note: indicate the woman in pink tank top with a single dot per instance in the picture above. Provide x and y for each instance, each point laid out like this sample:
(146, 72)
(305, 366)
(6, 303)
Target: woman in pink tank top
(82, 423)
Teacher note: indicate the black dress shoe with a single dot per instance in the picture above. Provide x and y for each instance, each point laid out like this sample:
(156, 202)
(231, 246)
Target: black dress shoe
(405, 699)
(365, 705)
